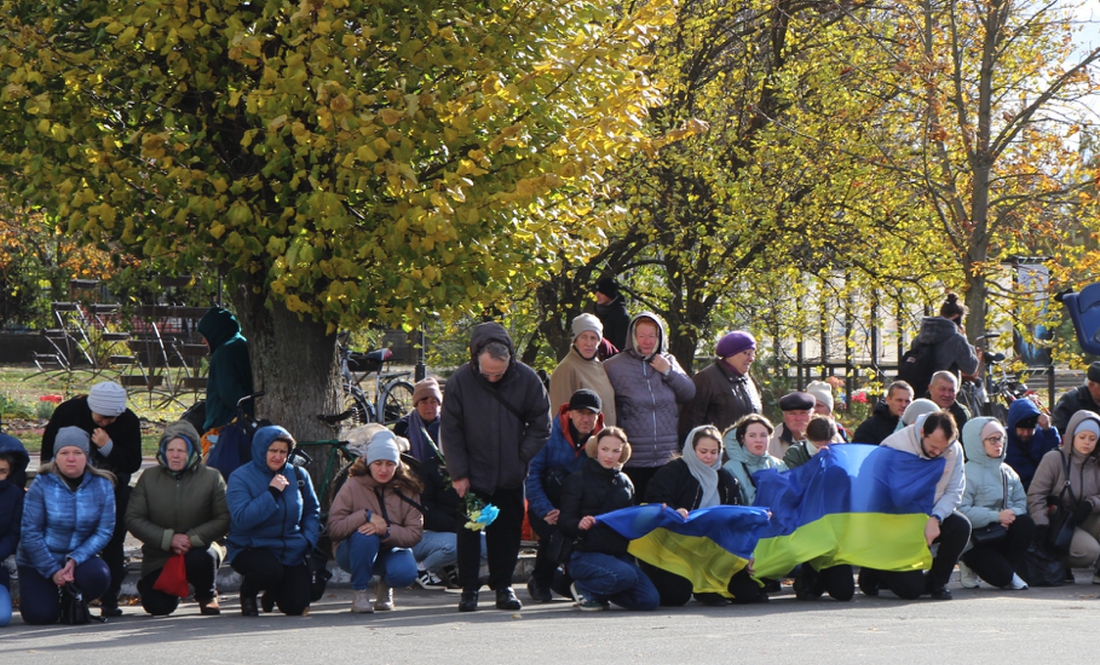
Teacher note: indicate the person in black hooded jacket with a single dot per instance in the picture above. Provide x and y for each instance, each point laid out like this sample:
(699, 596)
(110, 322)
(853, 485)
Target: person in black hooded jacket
(496, 418)
(697, 480)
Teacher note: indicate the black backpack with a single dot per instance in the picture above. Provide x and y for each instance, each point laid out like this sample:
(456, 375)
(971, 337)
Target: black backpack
(917, 367)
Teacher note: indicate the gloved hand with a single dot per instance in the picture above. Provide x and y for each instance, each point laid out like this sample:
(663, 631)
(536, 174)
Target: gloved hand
(1082, 512)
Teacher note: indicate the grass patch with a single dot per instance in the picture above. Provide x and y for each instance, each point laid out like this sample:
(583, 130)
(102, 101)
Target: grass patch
(24, 414)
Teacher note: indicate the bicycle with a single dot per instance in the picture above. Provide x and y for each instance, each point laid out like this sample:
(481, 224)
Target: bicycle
(990, 395)
(393, 396)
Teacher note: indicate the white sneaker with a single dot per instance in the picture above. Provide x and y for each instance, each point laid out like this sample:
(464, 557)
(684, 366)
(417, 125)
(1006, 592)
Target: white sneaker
(1017, 583)
(426, 579)
(361, 603)
(384, 602)
(967, 577)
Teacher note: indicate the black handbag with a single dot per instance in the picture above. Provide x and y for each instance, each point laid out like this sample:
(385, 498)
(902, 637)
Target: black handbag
(1044, 566)
(74, 609)
(991, 533)
(1062, 525)
(559, 547)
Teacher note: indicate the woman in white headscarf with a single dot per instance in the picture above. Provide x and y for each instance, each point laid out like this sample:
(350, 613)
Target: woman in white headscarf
(692, 481)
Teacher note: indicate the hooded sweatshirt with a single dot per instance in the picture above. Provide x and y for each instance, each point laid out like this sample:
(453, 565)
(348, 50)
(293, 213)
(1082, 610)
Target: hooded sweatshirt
(482, 439)
(951, 350)
(1024, 457)
(1084, 474)
(743, 464)
(11, 495)
(165, 503)
(949, 488)
(986, 480)
(230, 376)
(288, 525)
(647, 403)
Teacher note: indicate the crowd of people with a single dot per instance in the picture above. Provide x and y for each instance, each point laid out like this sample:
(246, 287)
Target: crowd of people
(620, 424)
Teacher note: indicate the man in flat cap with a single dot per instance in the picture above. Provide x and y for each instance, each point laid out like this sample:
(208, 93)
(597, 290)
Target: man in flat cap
(797, 408)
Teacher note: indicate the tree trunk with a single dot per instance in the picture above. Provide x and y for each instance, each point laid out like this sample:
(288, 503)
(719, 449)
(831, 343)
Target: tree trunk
(295, 363)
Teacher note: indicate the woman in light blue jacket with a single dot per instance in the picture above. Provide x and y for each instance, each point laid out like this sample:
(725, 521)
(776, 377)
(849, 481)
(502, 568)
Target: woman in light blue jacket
(994, 499)
(59, 544)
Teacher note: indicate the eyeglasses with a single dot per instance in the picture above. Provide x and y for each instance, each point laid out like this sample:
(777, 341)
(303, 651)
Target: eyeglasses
(491, 375)
(995, 439)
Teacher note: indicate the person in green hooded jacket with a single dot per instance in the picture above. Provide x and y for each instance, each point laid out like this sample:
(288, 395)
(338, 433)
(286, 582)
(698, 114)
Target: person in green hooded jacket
(230, 376)
(179, 507)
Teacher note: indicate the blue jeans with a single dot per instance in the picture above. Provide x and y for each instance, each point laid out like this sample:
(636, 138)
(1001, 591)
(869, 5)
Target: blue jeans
(40, 598)
(363, 557)
(439, 549)
(436, 549)
(618, 579)
(5, 606)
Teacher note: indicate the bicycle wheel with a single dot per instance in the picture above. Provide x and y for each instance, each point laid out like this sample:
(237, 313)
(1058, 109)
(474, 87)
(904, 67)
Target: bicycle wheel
(356, 402)
(396, 402)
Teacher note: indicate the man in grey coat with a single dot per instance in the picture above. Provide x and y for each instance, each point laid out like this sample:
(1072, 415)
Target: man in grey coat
(496, 418)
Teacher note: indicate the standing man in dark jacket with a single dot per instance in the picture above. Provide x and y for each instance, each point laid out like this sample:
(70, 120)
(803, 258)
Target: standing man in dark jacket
(724, 391)
(116, 447)
(1081, 398)
(886, 414)
(496, 418)
(230, 376)
(611, 310)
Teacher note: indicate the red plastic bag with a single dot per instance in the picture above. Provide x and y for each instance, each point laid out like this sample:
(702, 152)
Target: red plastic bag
(173, 577)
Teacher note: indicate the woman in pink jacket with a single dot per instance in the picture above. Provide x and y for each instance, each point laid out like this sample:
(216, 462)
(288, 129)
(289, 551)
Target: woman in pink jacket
(373, 522)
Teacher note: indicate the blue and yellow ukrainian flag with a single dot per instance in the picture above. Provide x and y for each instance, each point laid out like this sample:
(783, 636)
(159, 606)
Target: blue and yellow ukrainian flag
(708, 548)
(851, 504)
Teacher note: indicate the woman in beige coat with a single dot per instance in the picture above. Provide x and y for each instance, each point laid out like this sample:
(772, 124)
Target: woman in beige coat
(374, 520)
(1079, 451)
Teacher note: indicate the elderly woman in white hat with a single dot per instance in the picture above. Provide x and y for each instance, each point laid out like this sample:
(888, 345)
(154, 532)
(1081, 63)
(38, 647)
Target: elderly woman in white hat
(374, 520)
(115, 445)
(581, 368)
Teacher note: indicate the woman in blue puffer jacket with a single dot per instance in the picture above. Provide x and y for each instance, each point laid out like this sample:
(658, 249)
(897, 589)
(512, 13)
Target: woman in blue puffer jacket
(274, 524)
(59, 545)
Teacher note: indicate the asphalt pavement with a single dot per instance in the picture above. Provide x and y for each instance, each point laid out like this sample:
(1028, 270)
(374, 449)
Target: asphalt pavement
(1053, 625)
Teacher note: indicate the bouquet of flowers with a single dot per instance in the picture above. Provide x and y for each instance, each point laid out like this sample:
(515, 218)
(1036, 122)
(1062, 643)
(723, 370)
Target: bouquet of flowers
(478, 513)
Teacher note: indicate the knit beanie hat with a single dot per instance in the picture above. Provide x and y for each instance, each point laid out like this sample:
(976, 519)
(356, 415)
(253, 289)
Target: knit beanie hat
(426, 388)
(734, 343)
(72, 436)
(822, 392)
(1094, 372)
(609, 287)
(107, 399)
(587, 323)
(383, 446)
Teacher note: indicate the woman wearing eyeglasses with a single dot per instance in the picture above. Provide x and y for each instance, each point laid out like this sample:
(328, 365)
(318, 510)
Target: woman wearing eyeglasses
(274, 523)
(996, 505)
